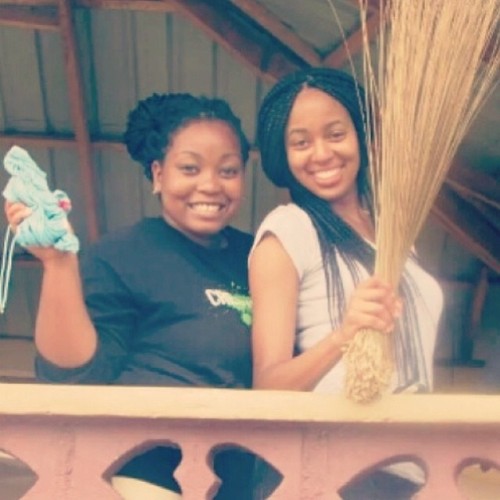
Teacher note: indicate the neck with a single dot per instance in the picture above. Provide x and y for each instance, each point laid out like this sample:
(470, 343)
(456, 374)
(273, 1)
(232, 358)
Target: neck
(353, 213)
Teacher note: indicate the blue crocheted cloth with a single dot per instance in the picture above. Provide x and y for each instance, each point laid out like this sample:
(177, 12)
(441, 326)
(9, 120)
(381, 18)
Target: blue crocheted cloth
(47, 225)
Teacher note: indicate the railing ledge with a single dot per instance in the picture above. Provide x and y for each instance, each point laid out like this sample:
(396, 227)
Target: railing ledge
(242, 405)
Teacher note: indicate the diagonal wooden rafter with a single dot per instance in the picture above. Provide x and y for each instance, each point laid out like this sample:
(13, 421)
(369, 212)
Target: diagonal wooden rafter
(21, 17)
(279, 30)
(474, 185)
(353, 43)
(371, 5)
(490, 214)
(467, 225)
(269, 60)
(480, 190)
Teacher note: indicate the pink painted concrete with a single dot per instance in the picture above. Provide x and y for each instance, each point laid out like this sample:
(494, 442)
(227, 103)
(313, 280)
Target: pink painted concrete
(73, 452)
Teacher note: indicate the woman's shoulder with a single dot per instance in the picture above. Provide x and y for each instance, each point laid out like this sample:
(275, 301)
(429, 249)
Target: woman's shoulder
(293, 228)
(127, 239)
(289, 215)
(129, 232)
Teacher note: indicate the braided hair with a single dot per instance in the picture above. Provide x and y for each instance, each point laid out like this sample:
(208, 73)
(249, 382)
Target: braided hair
(152, 125)
(333, 232)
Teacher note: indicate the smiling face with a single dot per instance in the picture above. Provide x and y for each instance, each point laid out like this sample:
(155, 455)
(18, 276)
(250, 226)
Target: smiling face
(322, 147)
(200, 181)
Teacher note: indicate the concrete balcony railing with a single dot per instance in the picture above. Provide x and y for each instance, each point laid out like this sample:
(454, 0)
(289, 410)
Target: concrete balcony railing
(74, 437)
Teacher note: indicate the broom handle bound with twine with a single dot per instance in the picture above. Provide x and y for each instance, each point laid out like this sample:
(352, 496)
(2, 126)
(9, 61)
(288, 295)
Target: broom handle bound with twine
(431, 82)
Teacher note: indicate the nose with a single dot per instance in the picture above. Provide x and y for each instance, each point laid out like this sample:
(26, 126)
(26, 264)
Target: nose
(210, 182)
(322, 151)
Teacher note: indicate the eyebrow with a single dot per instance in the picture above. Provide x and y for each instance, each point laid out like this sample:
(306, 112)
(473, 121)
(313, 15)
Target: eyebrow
(226, 156)
(198, 156)
(304, 130)
(188, 152)
(296, 131)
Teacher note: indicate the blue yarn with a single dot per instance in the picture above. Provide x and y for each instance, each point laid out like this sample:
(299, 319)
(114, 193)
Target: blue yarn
(47, 225)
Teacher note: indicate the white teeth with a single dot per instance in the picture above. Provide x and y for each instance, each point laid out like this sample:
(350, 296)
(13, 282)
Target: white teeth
(326, 174)
(206, 208)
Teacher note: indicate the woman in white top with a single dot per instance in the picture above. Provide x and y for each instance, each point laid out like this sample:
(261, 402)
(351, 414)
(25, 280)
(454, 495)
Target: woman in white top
(311, 265)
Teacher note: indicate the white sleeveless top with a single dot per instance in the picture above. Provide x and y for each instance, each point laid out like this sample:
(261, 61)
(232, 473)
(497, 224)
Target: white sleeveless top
(295, 231)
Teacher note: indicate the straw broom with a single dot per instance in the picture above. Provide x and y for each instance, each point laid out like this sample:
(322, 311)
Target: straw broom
(431, 80)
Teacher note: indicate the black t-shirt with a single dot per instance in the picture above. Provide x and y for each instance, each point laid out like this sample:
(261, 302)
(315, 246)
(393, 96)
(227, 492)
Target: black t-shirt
(167, 311)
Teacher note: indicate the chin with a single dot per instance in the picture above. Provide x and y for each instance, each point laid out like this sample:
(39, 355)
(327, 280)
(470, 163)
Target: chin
(209, 229)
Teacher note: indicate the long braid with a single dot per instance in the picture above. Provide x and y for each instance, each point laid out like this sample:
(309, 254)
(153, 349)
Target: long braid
(332, 229)
(334, 234)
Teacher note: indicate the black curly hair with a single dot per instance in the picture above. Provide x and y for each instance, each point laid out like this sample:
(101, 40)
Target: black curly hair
(153, 122)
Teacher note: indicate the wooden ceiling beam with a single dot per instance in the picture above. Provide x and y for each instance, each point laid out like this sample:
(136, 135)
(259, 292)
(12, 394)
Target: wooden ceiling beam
(22, 17)
(353, 44)
(36, 141)
(478, 302)
(145, 5)
(490, 214)
(465, 224)
(471, 184)
(57, 142)
(79, 117)
(101, 4)
(30, 3)
(372, 5)
(472, 330)
(474, 184)
(268, 61)
(142, 5)
(69, 142)
(279, 30)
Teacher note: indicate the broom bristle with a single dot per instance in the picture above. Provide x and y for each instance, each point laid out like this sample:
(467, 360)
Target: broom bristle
(431, 81)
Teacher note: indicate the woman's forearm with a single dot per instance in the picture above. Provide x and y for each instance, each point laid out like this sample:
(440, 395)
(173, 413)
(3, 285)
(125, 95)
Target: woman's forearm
(304, 371)
(64, 333)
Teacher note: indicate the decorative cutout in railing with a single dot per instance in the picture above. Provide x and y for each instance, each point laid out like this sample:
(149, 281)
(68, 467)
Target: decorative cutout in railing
(75, 437)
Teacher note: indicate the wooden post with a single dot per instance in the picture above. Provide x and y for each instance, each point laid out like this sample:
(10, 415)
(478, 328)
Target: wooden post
(472, 332)
(79, 117)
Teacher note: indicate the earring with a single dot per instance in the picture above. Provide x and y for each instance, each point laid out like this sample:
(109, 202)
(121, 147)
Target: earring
(156, 189)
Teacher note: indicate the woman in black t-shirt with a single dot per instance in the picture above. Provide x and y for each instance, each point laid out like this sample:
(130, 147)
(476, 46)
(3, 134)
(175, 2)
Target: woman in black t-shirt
(164, 302)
